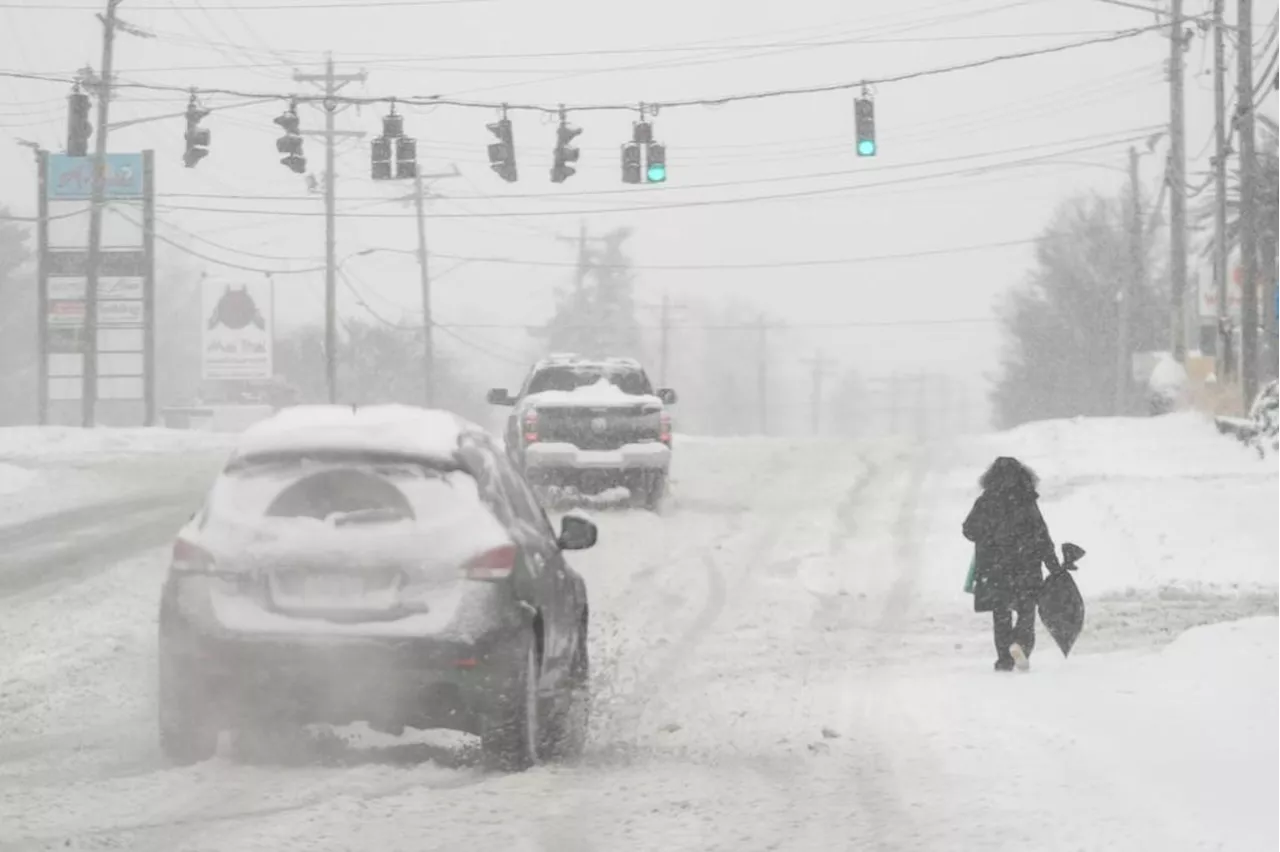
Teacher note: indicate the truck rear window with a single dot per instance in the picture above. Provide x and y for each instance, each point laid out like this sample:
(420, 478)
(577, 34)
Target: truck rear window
(633, 382)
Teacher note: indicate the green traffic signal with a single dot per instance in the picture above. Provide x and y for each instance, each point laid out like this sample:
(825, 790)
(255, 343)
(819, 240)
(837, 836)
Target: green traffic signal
(656, 173)
(866, 148)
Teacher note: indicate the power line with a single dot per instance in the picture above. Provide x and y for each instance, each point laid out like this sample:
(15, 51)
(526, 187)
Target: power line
(310, 5)
(421, 100)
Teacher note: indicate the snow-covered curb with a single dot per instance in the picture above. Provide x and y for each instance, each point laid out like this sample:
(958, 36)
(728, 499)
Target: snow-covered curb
(14, 478)
(51, 444)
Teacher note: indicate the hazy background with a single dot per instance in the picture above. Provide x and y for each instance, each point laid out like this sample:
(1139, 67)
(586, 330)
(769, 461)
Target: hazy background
(241, 206)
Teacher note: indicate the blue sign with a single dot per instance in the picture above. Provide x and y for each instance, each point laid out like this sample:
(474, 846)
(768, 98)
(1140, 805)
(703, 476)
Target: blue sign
(72, 177)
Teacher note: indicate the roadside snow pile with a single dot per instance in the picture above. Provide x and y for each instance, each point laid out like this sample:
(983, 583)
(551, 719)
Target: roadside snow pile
(1178, 445)
(1179, 744)
(66, 443)
(13, 478)
(1156, 502)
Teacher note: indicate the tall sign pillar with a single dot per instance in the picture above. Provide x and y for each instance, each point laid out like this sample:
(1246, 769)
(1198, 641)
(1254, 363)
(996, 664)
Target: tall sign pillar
(126, 299)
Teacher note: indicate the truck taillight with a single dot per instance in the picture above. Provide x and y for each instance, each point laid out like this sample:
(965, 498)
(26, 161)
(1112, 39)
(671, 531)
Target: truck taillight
(530, 427)
(664, 428)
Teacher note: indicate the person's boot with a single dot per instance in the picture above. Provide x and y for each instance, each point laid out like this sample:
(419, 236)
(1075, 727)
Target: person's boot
(1004, 665)
(1020, 659)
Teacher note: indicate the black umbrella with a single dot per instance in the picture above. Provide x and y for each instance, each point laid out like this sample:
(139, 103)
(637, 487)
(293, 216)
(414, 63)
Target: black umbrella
(1061, 607)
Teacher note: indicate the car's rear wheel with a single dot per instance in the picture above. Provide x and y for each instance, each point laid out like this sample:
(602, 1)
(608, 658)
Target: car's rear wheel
(565, 735)
(187, 733)
(512, 729)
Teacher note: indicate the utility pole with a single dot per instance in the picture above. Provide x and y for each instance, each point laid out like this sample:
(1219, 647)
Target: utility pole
(333, 83)
(89, 392)
(428, 324)
(666, 310)
(1177, 180)
(762, 374)
(820, 367)
(1221, 141)
(1129, 286)
(1248, 206)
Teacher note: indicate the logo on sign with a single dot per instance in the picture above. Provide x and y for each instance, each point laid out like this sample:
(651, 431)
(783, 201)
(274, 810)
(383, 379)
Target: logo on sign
(238, 330)
(72, 177)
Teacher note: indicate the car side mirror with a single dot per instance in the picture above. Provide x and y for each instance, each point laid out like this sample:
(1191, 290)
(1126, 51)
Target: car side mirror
(577, 532)
(500, 396)
(668, 396)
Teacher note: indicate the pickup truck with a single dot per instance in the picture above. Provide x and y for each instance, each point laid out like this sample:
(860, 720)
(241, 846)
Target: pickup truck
(591, 425)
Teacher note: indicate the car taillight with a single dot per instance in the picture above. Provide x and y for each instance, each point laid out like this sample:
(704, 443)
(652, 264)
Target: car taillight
(664, 428)
(495, 564)
(530, 427)
(191, 558)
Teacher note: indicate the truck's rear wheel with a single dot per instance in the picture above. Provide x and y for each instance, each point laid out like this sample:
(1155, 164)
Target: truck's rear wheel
(653, 490)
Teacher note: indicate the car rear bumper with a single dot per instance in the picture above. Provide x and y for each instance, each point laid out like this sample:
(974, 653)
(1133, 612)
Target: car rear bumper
(558, 456)
(388, 681)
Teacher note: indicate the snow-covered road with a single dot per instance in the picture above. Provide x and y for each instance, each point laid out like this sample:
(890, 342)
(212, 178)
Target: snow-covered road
(780, 664)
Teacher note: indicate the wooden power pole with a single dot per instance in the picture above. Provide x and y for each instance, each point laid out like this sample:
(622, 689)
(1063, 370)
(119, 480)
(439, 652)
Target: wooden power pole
(97, 197)
(1248, 206)
(332, 83)
(1177, 181)
(820, 367)
(1221, 140)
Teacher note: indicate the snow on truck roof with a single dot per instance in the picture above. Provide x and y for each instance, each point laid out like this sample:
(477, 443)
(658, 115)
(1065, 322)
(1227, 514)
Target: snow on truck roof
(399, 429)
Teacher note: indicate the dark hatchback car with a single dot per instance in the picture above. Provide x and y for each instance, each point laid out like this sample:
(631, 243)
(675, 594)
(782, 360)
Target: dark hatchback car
(386, 565)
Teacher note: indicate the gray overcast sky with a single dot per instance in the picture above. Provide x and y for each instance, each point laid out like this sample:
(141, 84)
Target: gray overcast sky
(662, 49)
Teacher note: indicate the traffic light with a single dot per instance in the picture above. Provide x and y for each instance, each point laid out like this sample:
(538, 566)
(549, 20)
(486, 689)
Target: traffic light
(381, 151)
(656, 171)
(864, 119)
(565, 153)
(502, 154)
(631, 162)
(406, 157)
(290, 144)
(78, 127)
(406, 150)
(197, 137)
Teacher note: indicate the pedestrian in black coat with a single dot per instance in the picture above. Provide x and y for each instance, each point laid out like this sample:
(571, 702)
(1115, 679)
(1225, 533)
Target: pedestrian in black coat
(1011, 544)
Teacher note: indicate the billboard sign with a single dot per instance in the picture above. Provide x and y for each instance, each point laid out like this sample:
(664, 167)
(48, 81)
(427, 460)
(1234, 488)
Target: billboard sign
(68, 313)
(72, 177)
(115, 312)
(238, 329)
(109, 287)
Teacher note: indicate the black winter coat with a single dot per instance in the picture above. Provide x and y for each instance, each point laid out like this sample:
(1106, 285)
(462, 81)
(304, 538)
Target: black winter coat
(1012, 542)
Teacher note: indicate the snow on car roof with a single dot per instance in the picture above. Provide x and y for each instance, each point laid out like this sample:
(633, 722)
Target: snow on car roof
(399, 429)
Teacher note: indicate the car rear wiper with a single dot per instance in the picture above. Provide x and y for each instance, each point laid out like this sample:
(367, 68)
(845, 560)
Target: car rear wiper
(380, 514)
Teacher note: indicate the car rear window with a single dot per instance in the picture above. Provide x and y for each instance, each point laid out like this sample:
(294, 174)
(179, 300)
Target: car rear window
(340, 490)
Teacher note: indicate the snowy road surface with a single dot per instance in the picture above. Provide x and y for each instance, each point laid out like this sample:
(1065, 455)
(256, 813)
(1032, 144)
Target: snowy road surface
(782, 662)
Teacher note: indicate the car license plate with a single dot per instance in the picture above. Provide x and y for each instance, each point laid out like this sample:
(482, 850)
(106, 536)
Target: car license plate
(347, 588)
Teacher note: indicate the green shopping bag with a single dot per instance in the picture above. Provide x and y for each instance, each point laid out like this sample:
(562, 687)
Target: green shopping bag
(968, 581)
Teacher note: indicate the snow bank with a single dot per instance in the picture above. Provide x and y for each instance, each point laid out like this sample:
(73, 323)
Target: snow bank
(68, 444)
(1178, 445)
(1157, 503)
(14, 479)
